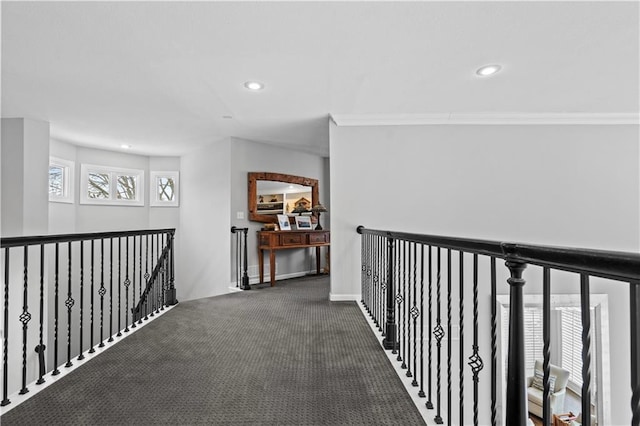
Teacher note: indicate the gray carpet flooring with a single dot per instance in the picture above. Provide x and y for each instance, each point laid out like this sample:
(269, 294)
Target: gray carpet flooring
(270, 356)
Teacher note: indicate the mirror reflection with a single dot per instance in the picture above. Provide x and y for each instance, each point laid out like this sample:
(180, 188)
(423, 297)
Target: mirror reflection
(282, 198)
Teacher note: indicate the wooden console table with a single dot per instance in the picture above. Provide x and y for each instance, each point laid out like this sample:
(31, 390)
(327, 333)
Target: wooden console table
(285, 240)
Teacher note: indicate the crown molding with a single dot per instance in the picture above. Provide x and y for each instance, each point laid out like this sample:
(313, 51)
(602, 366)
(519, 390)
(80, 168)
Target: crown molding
(529, 119)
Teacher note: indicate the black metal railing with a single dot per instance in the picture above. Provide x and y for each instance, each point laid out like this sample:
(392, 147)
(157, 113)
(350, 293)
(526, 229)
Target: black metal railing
(97, 275)
(241, 256)
(407, 277)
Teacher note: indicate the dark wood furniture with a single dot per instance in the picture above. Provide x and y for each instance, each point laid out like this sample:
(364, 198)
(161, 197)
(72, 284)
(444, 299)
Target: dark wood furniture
(286, 240)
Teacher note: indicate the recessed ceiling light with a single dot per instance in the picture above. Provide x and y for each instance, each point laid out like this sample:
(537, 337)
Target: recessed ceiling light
(488, 70)
(253, 85)
(125, 146)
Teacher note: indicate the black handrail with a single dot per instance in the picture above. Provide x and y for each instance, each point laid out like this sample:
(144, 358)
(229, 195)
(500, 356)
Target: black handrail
(65, 238)
(387, 262)
(615, 265)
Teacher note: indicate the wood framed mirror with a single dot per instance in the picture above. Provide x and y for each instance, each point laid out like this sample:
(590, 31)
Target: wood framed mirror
(271, 194)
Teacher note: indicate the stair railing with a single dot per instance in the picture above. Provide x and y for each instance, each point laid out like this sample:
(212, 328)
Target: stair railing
(402, 287)
(84, 286)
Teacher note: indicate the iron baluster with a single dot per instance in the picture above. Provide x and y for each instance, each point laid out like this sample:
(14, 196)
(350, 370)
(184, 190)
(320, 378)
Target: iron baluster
(146, 275)
(41, 347)
(55, 311)
(91, 331)
(127, 283)
(390, 326)
(25, 317)
(421, 393)
(5, 340)
(438, 332)
(415, 313)
(119, 287)
(403, 306)
(133, 286)
(585, 306)
(110, 290)
(101, 292)
(429, 403)
(81, 336)
(461, 330)
(475, 362)
(449, 337)
(141, 301)
(634, 311)
(546, 337)
(69, 304)
(494, 343)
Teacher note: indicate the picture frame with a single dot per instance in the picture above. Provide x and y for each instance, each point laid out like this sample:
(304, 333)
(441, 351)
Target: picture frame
(283, 222)
(303, 222)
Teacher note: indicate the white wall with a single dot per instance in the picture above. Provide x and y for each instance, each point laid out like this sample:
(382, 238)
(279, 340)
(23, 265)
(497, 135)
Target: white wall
(555, 185)
(248, 156)
(203, 241)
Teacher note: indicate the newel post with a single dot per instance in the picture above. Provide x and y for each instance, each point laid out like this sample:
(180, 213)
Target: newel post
(170, 294)
(516, 412)
(390, 341)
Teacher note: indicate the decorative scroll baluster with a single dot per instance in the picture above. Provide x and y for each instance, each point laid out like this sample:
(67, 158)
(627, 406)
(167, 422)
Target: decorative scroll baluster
(516, 385)
(400, 299)
(140, 283)
(69, 304)
(81, 336)
(41, 347)
(546, 337)
(585, 306)
(475, 362)
(127, 283)
(438, 332)
(429, 403)
(25, 317)
(461, 334)
(102, 291)
(494, 343)
(634, 310)
(55, 311)
(5, 340)
(92, 349)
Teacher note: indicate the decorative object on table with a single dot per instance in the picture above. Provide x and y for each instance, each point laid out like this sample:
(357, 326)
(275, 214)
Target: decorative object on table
(300, 209)
(283, 221)
(303, 222)
(303, 203)
(317, 209)
(270, 227)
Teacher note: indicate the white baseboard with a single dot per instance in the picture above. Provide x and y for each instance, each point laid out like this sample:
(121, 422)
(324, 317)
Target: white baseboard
(344, 297)
(256, 279)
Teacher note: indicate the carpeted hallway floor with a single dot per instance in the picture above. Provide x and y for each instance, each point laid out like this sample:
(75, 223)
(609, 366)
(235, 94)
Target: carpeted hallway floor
(270, 356)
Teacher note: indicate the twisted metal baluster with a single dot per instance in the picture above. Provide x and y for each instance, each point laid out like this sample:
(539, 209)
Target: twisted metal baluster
(585, 307)
(55, 311)
(25, 317)
(140, 302)
(133, 285)
(81, 337)
(634, 310)
(461, 330)
(396, 275)
(119, 286)
(92, 350)
(374, 275)
(5, 340)
(449, 339)
(438, 332)
(421, 393)
(399, 300)
(102, 291)
(415, 313)
(474, 360)
(429, 403)
(494, 343)
(146, 273)
(69, 304)
(110, 290)
(406, 324)
(546, 336)
(41, 347)
(127, 283)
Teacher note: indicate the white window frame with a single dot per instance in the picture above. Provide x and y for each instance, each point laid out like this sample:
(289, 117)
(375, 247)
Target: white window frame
(113, 173)
(154, 200)
(68, 170)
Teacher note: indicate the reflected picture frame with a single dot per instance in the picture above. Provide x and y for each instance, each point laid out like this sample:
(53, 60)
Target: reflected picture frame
(283, 222)
(303, 222)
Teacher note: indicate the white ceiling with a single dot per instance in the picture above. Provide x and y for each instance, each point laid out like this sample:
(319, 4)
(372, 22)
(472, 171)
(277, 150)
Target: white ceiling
(160, 76)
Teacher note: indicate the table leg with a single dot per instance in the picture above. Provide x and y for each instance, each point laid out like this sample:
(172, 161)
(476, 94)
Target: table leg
(261, 264)
(318, 260)
(272, 266)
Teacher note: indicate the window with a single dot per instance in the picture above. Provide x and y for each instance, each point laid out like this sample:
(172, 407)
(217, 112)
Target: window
(571, 351)
(111, 186)
(533, 341)
(61, 180)
(164, 189)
